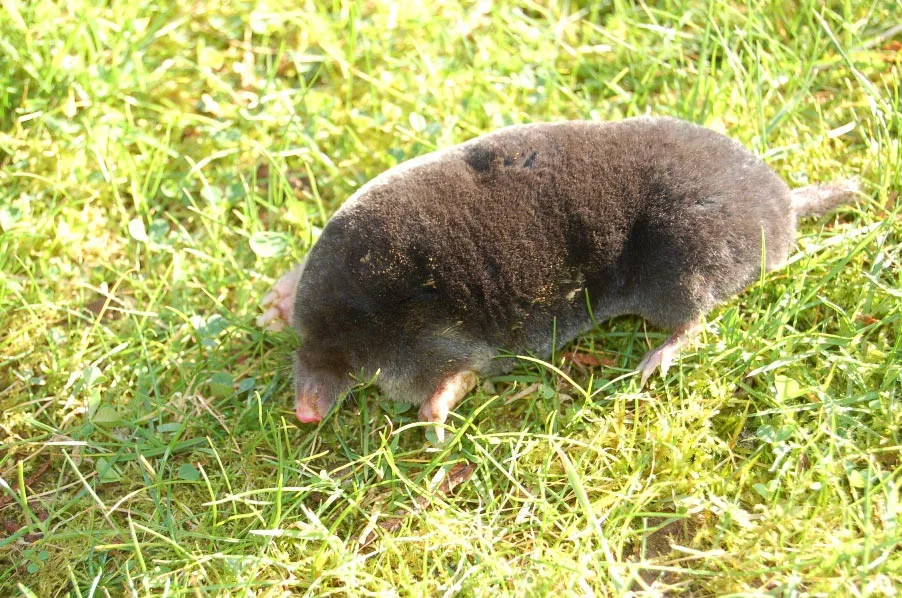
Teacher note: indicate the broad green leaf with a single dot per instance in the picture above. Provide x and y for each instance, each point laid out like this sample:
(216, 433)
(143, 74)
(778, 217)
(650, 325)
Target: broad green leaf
(222, 384)
(106, 414)
(137, 231)
(189, 472)
(268, 244)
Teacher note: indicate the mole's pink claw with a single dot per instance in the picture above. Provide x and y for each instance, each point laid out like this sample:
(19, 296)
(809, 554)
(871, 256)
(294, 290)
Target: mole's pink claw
(452, 389)
(662, 357)
(278, 304)
(271, 319)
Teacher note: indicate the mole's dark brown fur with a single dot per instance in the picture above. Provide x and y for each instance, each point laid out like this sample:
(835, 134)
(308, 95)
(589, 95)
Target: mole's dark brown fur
(503, 243)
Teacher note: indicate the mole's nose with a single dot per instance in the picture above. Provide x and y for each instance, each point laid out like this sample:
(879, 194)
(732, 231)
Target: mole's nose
(305, 410)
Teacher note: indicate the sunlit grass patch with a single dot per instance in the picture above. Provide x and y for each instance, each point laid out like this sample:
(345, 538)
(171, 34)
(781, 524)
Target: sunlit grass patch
(161, 164)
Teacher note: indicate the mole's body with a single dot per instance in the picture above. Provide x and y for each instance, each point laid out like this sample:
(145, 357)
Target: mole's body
(504, 243)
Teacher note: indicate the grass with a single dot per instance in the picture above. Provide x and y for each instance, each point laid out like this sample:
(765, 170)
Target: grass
(162, 163)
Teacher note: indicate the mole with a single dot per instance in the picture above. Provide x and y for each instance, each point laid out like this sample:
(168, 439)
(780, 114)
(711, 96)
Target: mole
(443, 268)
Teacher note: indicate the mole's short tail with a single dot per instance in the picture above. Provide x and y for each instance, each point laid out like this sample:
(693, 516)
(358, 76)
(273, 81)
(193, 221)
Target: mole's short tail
(816, 200)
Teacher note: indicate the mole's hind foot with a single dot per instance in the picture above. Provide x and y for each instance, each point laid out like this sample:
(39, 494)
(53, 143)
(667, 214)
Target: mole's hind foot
(450, 391)
(662, 357)
(278, 304)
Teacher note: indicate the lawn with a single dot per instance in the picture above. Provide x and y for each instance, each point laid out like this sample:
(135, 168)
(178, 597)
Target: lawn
(163, 163)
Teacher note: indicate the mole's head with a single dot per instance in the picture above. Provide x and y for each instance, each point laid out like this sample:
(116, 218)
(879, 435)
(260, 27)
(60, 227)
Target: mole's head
(335, 333)
(348, 310)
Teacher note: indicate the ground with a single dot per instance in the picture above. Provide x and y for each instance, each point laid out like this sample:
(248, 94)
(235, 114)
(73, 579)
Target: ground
(163, 163)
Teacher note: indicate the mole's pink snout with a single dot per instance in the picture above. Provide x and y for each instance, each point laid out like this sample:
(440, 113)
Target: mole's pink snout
(305, 409)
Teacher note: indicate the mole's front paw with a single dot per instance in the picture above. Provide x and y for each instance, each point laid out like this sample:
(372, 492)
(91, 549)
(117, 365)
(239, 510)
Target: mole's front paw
(662, 357)
(278, 304)
(452, 389)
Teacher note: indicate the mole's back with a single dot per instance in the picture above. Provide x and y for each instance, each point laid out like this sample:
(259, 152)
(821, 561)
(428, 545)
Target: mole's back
(508, 232)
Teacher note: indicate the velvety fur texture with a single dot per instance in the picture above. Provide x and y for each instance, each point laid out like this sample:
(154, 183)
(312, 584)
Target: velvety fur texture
(502, 245)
